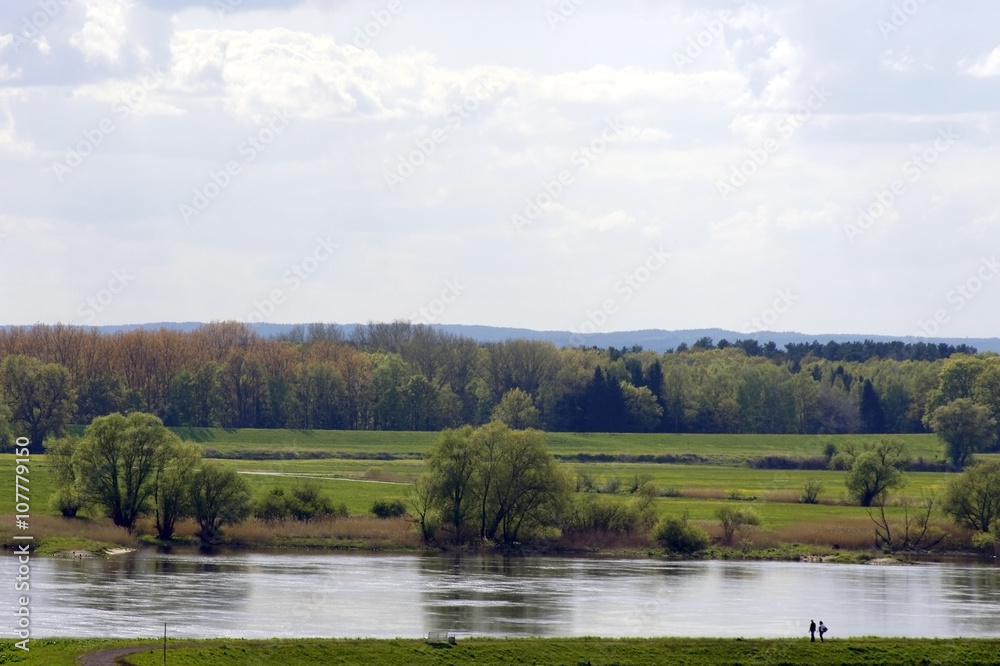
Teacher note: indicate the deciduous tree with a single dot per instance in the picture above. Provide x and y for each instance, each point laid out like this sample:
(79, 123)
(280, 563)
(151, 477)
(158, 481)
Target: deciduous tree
(39, 396)
(874, 469)
(973, 497)
(498, 481)
(964, 427)
(117, 462)
(516, 410)
(642, 412)
(172, 497)
(219, 496)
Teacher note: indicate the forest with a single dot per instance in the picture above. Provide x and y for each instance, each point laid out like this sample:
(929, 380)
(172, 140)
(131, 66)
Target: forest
(401, 376)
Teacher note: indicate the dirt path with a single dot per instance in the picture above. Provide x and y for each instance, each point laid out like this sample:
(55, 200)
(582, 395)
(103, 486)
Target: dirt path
(111, 656)
(323, 477)
(108, 657)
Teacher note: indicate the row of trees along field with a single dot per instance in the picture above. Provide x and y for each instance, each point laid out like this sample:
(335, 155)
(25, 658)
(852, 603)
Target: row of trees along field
(398, 376)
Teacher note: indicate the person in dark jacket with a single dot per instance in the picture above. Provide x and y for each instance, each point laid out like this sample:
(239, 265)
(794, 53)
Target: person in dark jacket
(812, 630)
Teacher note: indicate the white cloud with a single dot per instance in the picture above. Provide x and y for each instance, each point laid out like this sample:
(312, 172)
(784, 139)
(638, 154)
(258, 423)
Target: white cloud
(322, 79)
(103, 33)
(9, 139)
(795, 218)
(987, 66)
(147, 93)
(576, 222)
(990, 220)
(743, 233)
(898, 63)
(646, 134)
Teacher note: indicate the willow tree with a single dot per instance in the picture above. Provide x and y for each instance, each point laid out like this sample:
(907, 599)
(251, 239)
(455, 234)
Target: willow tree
(219, 496)
(495, 483)
(117, 463)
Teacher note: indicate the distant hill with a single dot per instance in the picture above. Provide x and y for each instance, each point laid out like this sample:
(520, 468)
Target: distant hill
(655, 339)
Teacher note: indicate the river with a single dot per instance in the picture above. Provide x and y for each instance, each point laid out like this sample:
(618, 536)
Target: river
(334, 595)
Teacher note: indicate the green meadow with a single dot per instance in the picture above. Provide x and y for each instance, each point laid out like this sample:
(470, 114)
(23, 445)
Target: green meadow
(486, 652)
(723, 449)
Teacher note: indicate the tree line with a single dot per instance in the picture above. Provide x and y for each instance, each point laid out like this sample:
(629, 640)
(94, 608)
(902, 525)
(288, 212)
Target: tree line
(398, 376)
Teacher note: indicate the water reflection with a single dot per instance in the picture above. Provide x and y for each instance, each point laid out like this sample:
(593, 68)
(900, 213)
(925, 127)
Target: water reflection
(498, 595)
(263, 595)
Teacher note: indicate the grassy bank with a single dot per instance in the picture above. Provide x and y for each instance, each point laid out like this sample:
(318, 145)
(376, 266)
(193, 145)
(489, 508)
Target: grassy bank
(60, 651)
(570, 651)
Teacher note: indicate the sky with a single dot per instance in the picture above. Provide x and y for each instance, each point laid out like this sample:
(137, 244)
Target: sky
(823, 167)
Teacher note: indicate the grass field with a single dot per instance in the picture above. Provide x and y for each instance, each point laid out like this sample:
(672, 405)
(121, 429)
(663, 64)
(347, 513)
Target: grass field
(358, 483)
(569, 651)
(718, 448)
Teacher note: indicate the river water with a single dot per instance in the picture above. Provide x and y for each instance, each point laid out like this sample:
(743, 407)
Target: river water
(268, 595)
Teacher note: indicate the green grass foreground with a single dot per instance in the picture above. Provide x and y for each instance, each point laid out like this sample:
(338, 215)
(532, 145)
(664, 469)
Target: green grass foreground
(571, 651)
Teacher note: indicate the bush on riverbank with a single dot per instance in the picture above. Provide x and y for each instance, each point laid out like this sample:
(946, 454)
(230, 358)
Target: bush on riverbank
(676, 535)
(302, 502)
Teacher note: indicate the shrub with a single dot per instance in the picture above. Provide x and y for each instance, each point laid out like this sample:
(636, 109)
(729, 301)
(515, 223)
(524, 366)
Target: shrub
(676, 535)
(307, 502)
(608, 515)
(272, 506)
(733, 519)
(810, 494)
(638, 481)
(585, 483)
(829, 451)
(611, 485)
(985, 541)
(394, 509)
(66, 502)
(303, 502)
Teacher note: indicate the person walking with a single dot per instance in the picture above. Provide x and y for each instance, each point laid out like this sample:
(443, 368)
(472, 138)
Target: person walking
(822, 630)
(812, 630)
